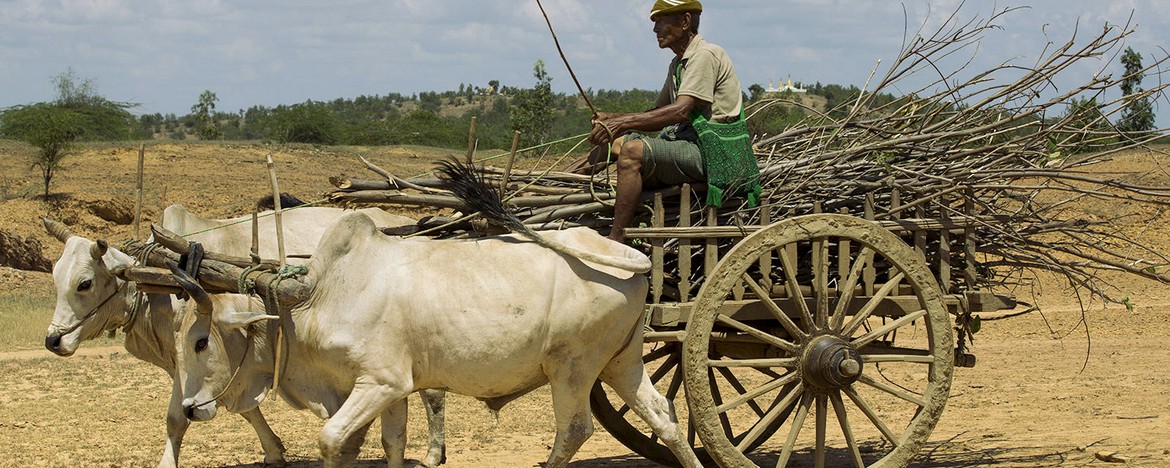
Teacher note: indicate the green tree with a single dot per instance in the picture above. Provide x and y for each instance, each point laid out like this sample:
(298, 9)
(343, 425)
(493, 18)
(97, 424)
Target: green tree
(1137, 117)
(309, 122)
(532, 115)
(78, 113)
(204, 112)
(1086, 128)
(49, 127)
(98, 118)
(757, 92)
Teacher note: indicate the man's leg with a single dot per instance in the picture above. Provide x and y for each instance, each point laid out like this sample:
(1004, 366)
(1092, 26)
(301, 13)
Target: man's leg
(629, 187)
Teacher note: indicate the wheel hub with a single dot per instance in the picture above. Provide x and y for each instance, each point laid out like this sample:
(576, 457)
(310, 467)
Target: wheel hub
(830, 363)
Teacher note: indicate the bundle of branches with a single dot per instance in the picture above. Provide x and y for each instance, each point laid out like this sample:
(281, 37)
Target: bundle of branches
(1017, 148)
(1001, 144)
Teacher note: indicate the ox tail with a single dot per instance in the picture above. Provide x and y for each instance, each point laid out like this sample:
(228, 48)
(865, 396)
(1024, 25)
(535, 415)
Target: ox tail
(467, 183)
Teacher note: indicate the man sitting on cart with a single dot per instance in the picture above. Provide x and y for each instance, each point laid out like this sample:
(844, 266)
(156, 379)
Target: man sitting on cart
(701, 136)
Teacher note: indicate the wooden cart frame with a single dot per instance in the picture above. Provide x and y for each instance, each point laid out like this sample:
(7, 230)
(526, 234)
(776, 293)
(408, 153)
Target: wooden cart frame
(826, 336)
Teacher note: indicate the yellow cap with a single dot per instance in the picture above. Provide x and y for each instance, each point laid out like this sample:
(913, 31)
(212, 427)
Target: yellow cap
(664, 7)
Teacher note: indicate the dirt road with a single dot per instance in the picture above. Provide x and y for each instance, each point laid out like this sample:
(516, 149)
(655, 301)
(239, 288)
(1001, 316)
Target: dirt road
(1028, 402)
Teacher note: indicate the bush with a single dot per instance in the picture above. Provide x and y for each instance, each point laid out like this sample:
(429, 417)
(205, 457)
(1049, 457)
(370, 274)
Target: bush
(310, 122)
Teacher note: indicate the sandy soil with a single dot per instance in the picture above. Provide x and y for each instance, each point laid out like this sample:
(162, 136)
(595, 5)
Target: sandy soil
(1045, 392)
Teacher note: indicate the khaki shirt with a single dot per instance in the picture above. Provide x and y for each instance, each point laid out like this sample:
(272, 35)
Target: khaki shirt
(708, 76)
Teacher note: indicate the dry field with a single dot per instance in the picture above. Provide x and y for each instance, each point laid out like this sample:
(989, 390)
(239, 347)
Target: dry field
(1047, 391)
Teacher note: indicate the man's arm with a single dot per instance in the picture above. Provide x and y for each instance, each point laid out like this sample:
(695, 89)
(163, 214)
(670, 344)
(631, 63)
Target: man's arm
(651, 120)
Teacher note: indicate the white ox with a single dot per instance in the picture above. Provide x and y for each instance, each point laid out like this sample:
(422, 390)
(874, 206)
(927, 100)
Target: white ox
(493, 318)
(92, 299)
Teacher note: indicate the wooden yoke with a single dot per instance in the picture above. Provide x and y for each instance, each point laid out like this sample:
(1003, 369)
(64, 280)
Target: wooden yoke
(218, 273)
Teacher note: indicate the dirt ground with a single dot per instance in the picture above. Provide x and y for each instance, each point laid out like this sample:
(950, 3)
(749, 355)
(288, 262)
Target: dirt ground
(1045, 392)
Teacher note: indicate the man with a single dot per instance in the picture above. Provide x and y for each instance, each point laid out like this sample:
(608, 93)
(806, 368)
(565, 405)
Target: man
(701, 83)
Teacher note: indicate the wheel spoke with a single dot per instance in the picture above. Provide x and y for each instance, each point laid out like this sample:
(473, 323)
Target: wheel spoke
(762, 389)
(675, 383)
(794, 432)
(892, 390)
(717, 398)
(774, 413)
(846, 430)
(759, 334)
(869, 413)
(822, 421)
(870, 306)
(735, 384)
(659, 353)
(787, 363)
(887, 328)
(766, 299)
(821, 281)
(670, 363)
(845, 293)
(793, 287)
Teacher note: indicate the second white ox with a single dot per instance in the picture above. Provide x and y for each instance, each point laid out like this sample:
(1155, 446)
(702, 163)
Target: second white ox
(93, 299)
(493, 318)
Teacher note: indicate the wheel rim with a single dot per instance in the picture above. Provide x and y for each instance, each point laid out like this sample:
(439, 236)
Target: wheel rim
(848, 381)
(664, 366)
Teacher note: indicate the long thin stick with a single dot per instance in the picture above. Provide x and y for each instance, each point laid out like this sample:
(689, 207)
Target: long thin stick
(508, 168)
(562, 52)
(138, 191)
(276, 207)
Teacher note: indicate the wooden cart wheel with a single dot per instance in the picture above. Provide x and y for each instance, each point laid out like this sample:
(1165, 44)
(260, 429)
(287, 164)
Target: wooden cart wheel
(864, 354)
(663, 364)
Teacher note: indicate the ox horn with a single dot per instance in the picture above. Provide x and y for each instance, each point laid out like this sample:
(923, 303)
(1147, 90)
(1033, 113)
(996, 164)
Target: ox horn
(57, 229)
(193, 289)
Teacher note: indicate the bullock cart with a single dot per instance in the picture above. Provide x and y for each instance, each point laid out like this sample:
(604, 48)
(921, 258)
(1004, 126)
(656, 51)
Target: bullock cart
(827, 336)
(802, 333)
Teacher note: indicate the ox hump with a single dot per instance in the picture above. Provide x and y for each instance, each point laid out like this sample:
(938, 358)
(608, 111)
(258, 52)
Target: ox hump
(349, 231)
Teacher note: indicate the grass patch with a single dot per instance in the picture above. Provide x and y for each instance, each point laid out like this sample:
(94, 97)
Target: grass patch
(25, 315)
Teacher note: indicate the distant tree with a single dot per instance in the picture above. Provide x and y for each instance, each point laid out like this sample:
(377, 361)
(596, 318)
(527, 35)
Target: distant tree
(757, 92)
(494, 87)
(532, 115)
(98, 118)
(78, 113)
(430, 101)
(49, 127)
(1087, 127)
(1137, 117)
(204, 112)
(309, 122)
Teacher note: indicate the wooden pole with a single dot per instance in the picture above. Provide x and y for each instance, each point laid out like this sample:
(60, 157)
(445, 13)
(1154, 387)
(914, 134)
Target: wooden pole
(511, 161)
(277, 208)
(255, 237)
(471, 140)
(138, 192)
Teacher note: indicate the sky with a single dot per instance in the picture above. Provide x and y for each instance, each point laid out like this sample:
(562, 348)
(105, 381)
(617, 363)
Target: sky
(162, 54)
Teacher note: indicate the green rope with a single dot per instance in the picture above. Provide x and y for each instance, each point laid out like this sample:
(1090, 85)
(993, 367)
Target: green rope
(286, 272)
(246, 285)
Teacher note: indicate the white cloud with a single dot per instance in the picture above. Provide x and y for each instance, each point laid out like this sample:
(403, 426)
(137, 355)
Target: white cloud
(163, 52)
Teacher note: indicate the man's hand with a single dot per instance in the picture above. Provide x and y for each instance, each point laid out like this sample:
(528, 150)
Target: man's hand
(603, 133)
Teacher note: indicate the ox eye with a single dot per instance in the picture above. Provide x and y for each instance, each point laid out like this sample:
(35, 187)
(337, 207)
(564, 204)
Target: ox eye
(200, 345)
(84, 285)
